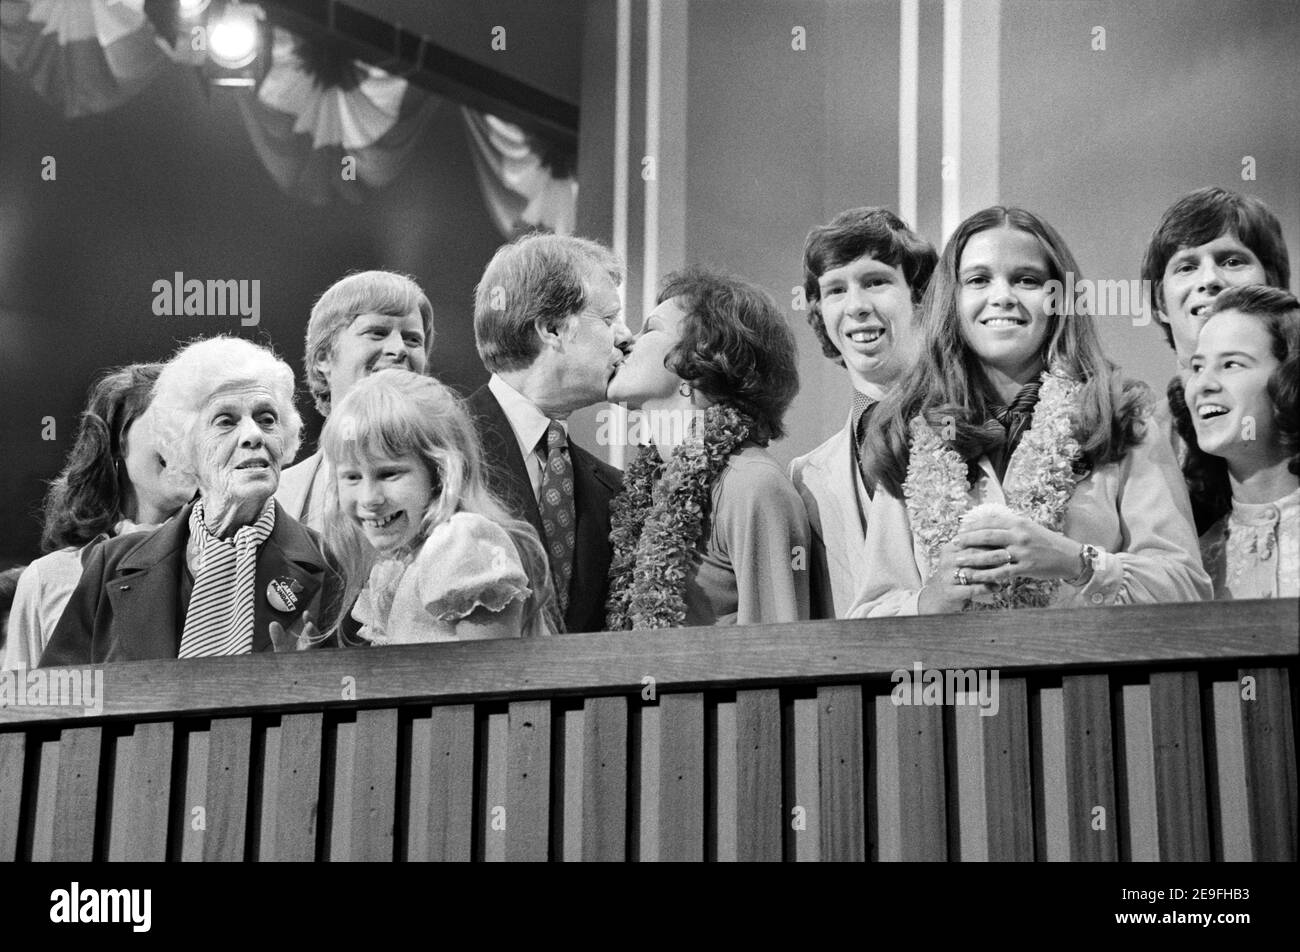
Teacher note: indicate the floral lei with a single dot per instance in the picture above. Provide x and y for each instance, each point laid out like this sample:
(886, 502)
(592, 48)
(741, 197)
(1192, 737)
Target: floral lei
(1039, 483)
(657, 520)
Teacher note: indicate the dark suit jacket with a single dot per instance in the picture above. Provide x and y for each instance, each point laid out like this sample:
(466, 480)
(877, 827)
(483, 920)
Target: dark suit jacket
(595, 483)
(127, 606)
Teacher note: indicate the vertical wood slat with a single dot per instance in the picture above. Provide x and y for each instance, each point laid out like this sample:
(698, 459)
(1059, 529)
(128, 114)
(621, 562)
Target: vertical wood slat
(758, 771)
(142, 794)
(969, 757)
(415, 780)
(574, 737)
(889, 843)
(374, 786)
(266, 784)
(339, 847)
(1007, 775)
(448, 814)
(1270, 765)
(496, 768)
(648, 722)
(528, 785)
(681, 778)
(1140, 800)
(195, 795)
(1051, 781)
(1090, 767)
(923, 826)
(722, 759)
(13, 752)
(604, 780)
(46, 798)
(842, 777)
(78, 790)
(803, 806)
(298, 789)
(1229, 774)
(229, 753)
(1181, 809)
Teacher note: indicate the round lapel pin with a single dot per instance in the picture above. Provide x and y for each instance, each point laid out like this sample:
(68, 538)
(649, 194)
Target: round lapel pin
(283, 592)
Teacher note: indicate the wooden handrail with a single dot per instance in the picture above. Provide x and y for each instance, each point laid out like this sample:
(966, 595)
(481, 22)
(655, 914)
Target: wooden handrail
(1159, 732)
(693, 658)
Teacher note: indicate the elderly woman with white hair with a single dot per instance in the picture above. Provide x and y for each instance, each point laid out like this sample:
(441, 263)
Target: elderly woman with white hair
(231, 573)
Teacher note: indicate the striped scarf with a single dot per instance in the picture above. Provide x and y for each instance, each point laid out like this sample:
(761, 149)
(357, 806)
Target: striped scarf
(1008, 424)
(219, 620)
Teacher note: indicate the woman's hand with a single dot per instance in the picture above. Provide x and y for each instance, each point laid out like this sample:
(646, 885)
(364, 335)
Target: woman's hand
(284, 640)
(943, 592)
(998, 548)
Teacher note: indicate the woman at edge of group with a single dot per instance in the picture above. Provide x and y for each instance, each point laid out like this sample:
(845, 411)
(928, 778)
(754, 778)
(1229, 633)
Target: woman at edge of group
(1019, 467)
(114, 482)
(707, 528)
(1244, 394)
(232, 573)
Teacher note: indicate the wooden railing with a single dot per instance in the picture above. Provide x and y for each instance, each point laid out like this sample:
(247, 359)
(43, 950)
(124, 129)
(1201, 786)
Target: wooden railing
(1137, 733)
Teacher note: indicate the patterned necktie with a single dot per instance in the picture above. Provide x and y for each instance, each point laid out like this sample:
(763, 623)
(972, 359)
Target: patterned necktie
(219, 620)
(862, 405)
(555, 503)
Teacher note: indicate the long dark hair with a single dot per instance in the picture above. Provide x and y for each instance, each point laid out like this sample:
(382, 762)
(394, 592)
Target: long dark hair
(89, 497)
(1278, 311)
(948, 385)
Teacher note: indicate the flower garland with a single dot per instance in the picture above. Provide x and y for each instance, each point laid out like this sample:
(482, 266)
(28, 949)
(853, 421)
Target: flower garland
(657, 520)
(1038, 486)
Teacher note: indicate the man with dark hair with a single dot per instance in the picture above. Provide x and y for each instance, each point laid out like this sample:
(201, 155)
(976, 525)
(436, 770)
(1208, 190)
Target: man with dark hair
(548, 323)
(1208, 241)
(864, 274)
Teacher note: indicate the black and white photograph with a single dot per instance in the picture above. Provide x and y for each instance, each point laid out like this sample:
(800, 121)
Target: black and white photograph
(651, 431)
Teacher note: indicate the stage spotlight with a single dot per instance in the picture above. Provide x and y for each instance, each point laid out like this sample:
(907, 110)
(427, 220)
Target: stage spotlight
(234, 35)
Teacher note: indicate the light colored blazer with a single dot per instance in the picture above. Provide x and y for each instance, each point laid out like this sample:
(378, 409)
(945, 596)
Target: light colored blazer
(837, 502)
(43, 592)
(1136, 512)
(301, 492)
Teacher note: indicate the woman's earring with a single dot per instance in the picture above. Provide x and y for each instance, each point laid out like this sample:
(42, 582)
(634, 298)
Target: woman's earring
(685, 389)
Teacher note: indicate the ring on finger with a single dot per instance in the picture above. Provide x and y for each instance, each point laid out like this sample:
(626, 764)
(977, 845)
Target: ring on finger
(960, 577)
(1011, 559)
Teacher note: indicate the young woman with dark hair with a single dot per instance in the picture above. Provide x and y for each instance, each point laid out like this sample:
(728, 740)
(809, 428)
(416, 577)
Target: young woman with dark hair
(1243, 394)
(114, 481)
(1015, 466)
(708, 530)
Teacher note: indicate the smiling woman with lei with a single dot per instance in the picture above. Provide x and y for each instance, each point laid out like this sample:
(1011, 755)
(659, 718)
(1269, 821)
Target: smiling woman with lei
(1243, 394)
(713, 534)
(1019, 468)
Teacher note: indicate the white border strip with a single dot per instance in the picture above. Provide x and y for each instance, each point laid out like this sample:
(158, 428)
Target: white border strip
(909, 71)
(622, 136)
(951, 169)
(653, 95)
(622, 122)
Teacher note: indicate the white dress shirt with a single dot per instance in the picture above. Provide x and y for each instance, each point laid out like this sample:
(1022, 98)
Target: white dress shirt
(529, 425)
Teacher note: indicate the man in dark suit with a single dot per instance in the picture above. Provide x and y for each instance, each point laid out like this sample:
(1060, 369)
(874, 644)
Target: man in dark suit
(549, 327)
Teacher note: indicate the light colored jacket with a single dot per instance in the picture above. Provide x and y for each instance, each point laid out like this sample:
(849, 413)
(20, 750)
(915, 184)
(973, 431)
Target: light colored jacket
(301, 492)
(837, 504)
(1136, 512)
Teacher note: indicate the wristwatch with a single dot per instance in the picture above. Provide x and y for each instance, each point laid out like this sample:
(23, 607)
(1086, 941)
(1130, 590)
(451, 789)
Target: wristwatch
(1088, 558)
